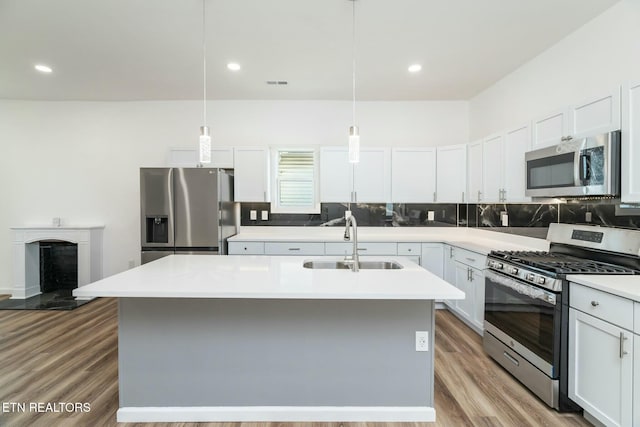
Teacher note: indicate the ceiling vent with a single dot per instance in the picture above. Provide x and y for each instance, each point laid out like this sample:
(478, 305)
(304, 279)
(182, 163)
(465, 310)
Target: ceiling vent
(277, 82)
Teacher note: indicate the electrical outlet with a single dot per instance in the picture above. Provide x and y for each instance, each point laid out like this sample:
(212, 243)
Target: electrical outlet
(422, 341)
(431, 215)
(132, 263)
(587, 217)
(253, 215)
(504, 219)
(265, 215)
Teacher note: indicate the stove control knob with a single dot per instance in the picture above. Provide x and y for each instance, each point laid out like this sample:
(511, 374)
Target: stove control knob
(541, 280)
(500, 266)
(531, 277)
(492, 264)
(513, 270)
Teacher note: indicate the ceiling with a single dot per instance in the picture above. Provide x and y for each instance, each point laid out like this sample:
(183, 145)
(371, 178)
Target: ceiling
(152, 49)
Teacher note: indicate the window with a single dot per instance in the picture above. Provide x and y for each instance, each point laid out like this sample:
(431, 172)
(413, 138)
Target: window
(296, 183)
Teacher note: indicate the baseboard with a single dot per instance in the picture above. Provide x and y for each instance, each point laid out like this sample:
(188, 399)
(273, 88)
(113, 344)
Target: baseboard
(276, 414)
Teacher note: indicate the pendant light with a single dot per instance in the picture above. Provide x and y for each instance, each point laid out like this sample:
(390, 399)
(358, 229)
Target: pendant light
(205, 135)
(354, 132)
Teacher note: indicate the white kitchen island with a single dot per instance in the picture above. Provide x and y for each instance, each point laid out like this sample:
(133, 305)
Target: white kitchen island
(243, 338)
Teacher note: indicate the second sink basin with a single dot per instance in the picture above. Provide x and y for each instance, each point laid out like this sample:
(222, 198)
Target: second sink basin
(344, 265)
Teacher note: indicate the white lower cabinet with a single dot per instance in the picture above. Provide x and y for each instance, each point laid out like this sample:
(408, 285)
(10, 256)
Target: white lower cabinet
(246, 248)
(294, 248)
(432, 258)
(367, 248)
(601, 353)
(464, 306)
(449, 270)
(464, 269)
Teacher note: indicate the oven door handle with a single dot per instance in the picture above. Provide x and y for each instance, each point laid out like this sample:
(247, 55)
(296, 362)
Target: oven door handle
(521, 288)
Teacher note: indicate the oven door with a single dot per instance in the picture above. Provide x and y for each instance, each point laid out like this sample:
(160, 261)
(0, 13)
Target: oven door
(525, 318)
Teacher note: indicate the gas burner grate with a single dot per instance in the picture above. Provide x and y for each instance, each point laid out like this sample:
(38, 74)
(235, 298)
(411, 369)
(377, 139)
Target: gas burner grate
(559, 263)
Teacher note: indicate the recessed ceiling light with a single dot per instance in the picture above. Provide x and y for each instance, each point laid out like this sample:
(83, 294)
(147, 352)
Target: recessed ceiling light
(233, 66)
(415, 68)
(43, 68)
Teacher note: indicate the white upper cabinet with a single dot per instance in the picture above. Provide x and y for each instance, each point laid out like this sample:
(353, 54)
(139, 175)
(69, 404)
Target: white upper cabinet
(517, 141)
(336, 175)
(187, 157)
(451, 174)
(630, 185)
(549, 129)
(370, 178)
(251, 175)
(598, 114)
(492, 168)
(413, 175)
(475, 172)
(595, 115)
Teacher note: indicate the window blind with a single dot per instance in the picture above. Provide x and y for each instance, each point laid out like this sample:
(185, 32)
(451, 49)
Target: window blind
(295, 179)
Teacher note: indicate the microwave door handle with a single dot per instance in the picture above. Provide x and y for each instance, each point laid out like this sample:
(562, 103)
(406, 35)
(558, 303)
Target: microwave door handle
(585, 167)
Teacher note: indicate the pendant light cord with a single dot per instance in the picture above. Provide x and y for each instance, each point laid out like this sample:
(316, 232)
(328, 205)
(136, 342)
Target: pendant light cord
(204, 64)
(353, 86)
(353, 58)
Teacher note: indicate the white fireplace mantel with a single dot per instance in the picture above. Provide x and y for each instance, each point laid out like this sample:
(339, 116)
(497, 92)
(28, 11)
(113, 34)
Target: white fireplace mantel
(26, 255)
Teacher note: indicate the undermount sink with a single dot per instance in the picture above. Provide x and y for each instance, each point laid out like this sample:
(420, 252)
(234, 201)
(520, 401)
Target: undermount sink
(346, 265)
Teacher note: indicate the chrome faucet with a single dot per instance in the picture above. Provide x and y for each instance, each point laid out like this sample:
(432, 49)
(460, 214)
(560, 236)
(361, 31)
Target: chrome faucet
(351, 221)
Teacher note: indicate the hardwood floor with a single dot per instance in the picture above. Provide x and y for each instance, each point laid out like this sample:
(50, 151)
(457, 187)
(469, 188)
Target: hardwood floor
(71, 356)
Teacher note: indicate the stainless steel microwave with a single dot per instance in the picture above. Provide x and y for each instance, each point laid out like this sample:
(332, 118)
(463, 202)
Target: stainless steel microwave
(587, 167)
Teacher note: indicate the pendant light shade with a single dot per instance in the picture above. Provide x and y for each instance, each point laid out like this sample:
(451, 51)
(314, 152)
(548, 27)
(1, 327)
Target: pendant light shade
(205, 135)
(354, 144)
(205, 145)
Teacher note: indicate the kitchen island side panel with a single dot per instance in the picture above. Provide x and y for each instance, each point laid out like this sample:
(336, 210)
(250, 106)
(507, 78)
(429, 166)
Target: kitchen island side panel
(243, 352)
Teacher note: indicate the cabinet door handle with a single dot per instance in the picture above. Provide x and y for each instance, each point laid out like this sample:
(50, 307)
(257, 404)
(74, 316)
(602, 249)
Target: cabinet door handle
(434, 196)
(362, 249)
(294, 249)
(450, 251)
(479, 193)
(463, 196)
(595, 303)
(264, 195)
(622, 340)
(471, 259)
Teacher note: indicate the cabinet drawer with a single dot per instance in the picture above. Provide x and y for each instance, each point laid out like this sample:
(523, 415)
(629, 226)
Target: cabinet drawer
(605, 306)
(294, 248)
(346, 248)
(246, 248)
(472, 259)
(409, 249)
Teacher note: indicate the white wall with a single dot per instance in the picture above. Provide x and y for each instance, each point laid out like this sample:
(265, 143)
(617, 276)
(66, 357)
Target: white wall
(594, 59)
(79, 160)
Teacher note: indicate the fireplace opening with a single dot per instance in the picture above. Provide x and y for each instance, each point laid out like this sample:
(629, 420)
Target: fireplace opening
(58, 267)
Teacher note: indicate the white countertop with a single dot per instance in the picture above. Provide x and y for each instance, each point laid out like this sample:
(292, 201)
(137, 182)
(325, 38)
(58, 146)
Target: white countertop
(474, 239)
(623, 286)
(268, 277)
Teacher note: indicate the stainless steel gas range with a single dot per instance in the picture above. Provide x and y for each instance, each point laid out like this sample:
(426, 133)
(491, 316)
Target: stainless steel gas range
(527, 302)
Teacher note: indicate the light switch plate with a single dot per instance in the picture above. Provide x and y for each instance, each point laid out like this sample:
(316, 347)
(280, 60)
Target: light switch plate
(265, 215)
(431, 215)
(253, 215)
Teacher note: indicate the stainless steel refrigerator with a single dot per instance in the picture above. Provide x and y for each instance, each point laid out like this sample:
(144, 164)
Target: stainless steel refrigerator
(185, 211)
